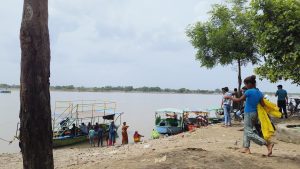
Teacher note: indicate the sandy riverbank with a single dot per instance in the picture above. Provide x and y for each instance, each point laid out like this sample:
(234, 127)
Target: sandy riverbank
(211, 147)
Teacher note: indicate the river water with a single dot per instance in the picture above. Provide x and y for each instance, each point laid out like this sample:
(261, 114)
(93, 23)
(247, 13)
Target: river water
(138, 109)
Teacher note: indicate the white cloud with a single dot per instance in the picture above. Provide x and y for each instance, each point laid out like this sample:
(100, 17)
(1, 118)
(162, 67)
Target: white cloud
(113, 42)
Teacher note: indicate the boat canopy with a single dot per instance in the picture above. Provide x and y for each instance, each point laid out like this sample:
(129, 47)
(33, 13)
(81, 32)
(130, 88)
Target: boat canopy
(83, 111)
(194, 110)
(169, 110)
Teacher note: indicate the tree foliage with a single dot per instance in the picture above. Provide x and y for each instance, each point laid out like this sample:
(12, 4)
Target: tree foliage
(276, 24)
(226, 38)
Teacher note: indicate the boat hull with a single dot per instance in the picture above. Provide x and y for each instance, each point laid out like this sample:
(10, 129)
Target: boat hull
(66, 141)
(5, 91)
(168, 130)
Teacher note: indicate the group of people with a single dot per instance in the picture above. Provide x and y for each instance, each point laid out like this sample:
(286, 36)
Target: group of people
(98, 133)
(228, 106)
(248, 101)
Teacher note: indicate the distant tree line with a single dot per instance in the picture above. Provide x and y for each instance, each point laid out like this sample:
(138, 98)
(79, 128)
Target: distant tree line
(128, 89)
(132, 89)
(5, 86)
(122, 89)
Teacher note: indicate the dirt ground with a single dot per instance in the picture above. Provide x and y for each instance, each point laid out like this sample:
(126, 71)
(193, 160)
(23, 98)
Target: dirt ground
(209, 147)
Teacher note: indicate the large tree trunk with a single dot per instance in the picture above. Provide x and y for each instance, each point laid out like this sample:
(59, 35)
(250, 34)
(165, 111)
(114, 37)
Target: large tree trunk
(35, 112)
(239, 82)
(239, 77)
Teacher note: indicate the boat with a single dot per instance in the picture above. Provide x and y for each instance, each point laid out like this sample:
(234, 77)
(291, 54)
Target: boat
(5, 91)
(67, 140)
(216, 115)
(67, 113)
(194, 118)
(169, 121)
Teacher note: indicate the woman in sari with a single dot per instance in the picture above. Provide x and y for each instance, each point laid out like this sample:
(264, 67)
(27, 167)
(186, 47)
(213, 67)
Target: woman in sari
(124, 134)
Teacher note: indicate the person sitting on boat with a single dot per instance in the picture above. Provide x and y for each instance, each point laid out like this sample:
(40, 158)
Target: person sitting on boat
(137, 137)
(73, 131)
(64, 122)
(83, 129)
(92, 136)
(172, 116)
(202, 120)
(162, 123)
(112, 130)
(172, 119)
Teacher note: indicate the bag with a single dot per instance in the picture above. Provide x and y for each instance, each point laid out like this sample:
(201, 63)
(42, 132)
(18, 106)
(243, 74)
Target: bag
(267, 127)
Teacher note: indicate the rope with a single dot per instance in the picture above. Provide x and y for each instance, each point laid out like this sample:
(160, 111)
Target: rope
(9, 142)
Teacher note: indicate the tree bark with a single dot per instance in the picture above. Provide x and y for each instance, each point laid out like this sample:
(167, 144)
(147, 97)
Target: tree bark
(35, 111)
(239, 82)
(239, 77)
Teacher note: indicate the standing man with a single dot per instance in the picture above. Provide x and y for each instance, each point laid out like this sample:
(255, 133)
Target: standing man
(282, 99)
(226, 105)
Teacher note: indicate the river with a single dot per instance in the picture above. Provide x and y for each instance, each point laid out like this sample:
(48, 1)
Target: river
(138, 109)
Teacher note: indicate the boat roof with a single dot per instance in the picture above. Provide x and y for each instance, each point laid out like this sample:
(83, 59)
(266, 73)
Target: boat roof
(169, 110)
(194, 110)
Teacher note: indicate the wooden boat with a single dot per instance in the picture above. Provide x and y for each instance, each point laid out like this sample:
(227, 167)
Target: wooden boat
(67, 113)
(169, 121)
(194, 118)
(67, 140)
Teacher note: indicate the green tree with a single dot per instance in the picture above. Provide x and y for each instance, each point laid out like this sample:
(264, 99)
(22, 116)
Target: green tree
(276, 24)
(226, 38)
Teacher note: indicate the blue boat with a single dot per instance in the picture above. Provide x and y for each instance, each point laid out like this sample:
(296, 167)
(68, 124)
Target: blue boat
(5, 91)
(169, 121)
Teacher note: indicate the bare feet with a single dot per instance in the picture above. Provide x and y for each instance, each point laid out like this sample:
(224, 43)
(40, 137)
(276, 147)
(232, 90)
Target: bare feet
(270, 148)
(246, 151)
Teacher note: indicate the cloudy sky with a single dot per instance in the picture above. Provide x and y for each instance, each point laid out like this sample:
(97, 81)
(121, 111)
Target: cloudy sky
(120, 42)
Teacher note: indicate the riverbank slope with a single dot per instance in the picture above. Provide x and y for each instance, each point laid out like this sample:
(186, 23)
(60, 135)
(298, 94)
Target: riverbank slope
(210, 147)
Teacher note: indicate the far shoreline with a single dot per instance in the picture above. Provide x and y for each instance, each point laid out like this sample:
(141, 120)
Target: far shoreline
(150, 92)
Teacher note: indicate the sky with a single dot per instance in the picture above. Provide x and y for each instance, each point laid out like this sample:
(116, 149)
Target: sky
(120, 43)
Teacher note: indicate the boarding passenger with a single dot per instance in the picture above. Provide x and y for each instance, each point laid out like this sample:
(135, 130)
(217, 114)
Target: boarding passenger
(73, 131)
(83, 129)
(112, 130)
(92, 136)
(100, 136)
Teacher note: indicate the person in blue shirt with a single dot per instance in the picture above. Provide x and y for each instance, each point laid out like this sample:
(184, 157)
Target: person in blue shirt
(112, 130)
(100, 136)
(282, 99)
(92, 136)
(253, 97)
